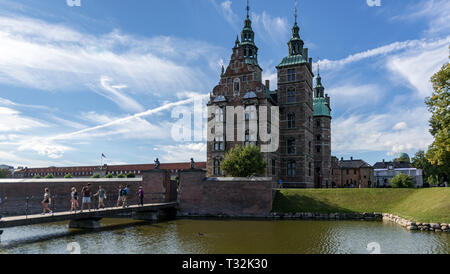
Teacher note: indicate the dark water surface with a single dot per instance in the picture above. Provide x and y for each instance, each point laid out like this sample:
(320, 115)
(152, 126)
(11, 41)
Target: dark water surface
(225, 237)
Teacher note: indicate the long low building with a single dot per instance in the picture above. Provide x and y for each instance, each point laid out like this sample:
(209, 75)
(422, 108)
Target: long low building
(88, 171)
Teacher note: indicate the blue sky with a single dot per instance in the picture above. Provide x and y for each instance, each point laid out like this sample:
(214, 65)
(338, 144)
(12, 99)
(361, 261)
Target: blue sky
(105, 77)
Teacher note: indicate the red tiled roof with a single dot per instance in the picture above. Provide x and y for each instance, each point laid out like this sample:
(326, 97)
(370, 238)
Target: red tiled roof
(129, 168)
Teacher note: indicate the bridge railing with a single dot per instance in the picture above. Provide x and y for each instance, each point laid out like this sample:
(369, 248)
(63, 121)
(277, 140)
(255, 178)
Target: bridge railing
(31, 205)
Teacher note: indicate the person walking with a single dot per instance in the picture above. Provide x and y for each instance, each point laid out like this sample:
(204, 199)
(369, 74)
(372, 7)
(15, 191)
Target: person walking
(119, 199)
(46, 202)
(74, 200)
(86, 197)
(125, 192)
(141, 196)
(101, 197)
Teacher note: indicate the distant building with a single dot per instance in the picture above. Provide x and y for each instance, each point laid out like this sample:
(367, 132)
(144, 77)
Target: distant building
(8, 168)
(352, 173)
(89, 171)
(385, 171)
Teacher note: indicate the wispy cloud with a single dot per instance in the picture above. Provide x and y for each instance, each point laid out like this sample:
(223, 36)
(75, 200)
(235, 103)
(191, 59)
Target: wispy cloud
(182, 152)
(435, 13)
(48, 56)
(272, 29)
(14, 121)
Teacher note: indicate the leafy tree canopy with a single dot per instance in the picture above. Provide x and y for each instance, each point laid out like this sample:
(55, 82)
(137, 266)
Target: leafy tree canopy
(402, 181)
(243, 162)
(438, 104)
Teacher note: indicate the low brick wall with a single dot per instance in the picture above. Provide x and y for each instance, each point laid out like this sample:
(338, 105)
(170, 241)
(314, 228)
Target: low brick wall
(14, 193)
(223, 197)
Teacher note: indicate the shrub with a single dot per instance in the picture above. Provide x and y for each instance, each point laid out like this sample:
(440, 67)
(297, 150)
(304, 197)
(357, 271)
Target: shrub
(49, 176)
(37, 177)
(402, 181)
(131, 175)
(433, 180)
(243, 162)
(96, 176)
(121, 175)
(68, 176)
(109, 176)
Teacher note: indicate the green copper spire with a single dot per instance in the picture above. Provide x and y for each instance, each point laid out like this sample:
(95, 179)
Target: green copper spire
(296, 43)
(248, 40)
(319, 89)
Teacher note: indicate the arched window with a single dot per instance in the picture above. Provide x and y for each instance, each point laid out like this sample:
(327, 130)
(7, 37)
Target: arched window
(291, 168)
(291, 120)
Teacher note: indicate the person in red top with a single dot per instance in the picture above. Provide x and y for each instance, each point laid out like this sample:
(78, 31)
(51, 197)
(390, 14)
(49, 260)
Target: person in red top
(86, 192)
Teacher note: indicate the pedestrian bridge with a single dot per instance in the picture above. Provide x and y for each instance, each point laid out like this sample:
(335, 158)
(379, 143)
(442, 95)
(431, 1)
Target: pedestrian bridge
(90, 219)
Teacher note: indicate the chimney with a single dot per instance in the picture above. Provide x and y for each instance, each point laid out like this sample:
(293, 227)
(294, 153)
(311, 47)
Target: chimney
(342, 158)
(351, 158)
(383, 161)
(268, 84)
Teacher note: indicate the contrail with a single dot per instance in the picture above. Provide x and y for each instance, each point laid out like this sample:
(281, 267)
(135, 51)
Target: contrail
(125, 119)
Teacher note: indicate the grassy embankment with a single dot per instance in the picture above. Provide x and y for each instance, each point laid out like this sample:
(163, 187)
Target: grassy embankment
(422, 205)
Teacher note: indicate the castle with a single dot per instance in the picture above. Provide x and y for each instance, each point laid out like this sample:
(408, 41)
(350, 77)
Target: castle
(303, 155)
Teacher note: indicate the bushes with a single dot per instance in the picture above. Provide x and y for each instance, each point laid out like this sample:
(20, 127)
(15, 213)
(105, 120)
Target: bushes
(131, 175)
(96, 176)
(243, 162)
(49, 176)
(121, 175)
(109, 176)
(68, 176)
(37, 177)
(402, 181)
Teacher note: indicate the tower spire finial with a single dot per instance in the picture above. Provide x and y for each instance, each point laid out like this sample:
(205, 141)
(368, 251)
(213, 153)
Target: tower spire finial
(318, 66)
(295, 12)
(248, 8)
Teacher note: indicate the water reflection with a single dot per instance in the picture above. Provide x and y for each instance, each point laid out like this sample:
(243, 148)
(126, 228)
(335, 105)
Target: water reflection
(224, 236)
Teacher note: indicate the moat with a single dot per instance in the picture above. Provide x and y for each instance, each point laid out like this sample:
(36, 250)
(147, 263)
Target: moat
(224, 237)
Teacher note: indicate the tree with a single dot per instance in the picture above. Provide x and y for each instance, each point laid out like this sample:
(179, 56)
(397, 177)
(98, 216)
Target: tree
(109, 176)
(121, 175)
(438, 104)
(37, 177)
(402, 181)
(96, 176)
(4, 173)
(131, 175)
(434, 180)
(49, 176)
(243, 162)
(68, 176)
(420, 161)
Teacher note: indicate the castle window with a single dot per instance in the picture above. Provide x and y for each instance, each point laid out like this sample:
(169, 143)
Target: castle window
(291, 120)
(219, 144)
(250, 113)
(291, 95)
(319, 137)
(291, 75)
(291, 147)
(318, 123)
(219, 115)
(291, 168)
(229, 81)
(310, 167)
(244, 78)
(216, 167)
(237, 87)
(250, 139)
(318, 149)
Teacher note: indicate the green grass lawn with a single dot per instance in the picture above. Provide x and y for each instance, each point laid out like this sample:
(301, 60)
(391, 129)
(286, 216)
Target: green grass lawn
(423, 205)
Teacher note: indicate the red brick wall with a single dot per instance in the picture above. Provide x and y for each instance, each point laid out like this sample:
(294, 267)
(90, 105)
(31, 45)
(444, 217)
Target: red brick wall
(237, 198)
(14, 195)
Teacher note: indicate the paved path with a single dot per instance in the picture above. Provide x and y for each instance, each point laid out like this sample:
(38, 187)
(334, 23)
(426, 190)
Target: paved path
(93, 214)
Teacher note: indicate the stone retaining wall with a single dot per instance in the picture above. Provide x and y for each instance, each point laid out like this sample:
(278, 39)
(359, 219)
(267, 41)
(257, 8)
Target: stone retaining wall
(413, 226)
